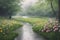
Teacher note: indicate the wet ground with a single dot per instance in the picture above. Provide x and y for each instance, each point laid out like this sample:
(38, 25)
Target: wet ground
(26, 33)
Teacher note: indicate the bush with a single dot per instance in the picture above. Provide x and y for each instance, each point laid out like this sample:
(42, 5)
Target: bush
(9, 36)
(48, 29)
(7, 27)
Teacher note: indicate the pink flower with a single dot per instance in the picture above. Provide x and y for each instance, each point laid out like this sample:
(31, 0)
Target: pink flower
(55, 29)
(47, 30)
(42, 30)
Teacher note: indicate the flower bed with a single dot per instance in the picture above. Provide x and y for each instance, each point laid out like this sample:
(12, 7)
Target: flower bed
(48, 29)
(51, 30)
(7, 27)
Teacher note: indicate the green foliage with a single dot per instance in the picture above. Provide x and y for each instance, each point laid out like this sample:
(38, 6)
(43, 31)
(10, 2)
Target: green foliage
(7, 27)
(38, 24)
(9, 7)
(43, 8)
(51, 35)
(9, 36)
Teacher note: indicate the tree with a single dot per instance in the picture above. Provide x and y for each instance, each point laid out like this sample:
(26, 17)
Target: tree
(9, 7)
(59, 11)
(42, 8)
(54, 6)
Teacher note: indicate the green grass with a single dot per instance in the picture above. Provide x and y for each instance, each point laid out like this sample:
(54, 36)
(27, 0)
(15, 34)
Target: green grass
(9, 36)
(7, 26)
(38, 24)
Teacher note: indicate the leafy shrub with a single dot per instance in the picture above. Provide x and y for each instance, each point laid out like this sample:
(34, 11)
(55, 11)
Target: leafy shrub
(48, 29)
(7, 27)
(51, 31)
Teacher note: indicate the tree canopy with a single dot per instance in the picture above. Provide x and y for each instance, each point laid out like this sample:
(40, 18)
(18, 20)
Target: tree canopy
(9, 7)
(43, 8)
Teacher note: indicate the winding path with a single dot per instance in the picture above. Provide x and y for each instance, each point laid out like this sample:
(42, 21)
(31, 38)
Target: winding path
(26, 33)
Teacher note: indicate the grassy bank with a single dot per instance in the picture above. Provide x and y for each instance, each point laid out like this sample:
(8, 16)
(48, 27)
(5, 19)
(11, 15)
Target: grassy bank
(7, 26)
(38, 25)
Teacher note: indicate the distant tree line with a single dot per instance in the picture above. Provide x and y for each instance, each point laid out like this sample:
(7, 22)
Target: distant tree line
(47, 8)
(9, 7)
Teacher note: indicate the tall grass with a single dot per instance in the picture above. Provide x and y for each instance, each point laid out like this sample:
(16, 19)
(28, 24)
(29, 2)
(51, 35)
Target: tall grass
(7, 26)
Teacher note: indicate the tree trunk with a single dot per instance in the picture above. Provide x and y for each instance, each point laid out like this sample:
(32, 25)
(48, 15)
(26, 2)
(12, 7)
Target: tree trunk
(9, 17)
(59, 11)
(52, 7)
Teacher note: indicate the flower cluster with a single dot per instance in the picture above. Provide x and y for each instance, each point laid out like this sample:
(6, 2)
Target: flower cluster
(51, 27)
(8, 25)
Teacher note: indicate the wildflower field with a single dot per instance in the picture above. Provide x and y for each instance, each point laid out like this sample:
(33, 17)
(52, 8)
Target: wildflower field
(48, 28)
(7, 28)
